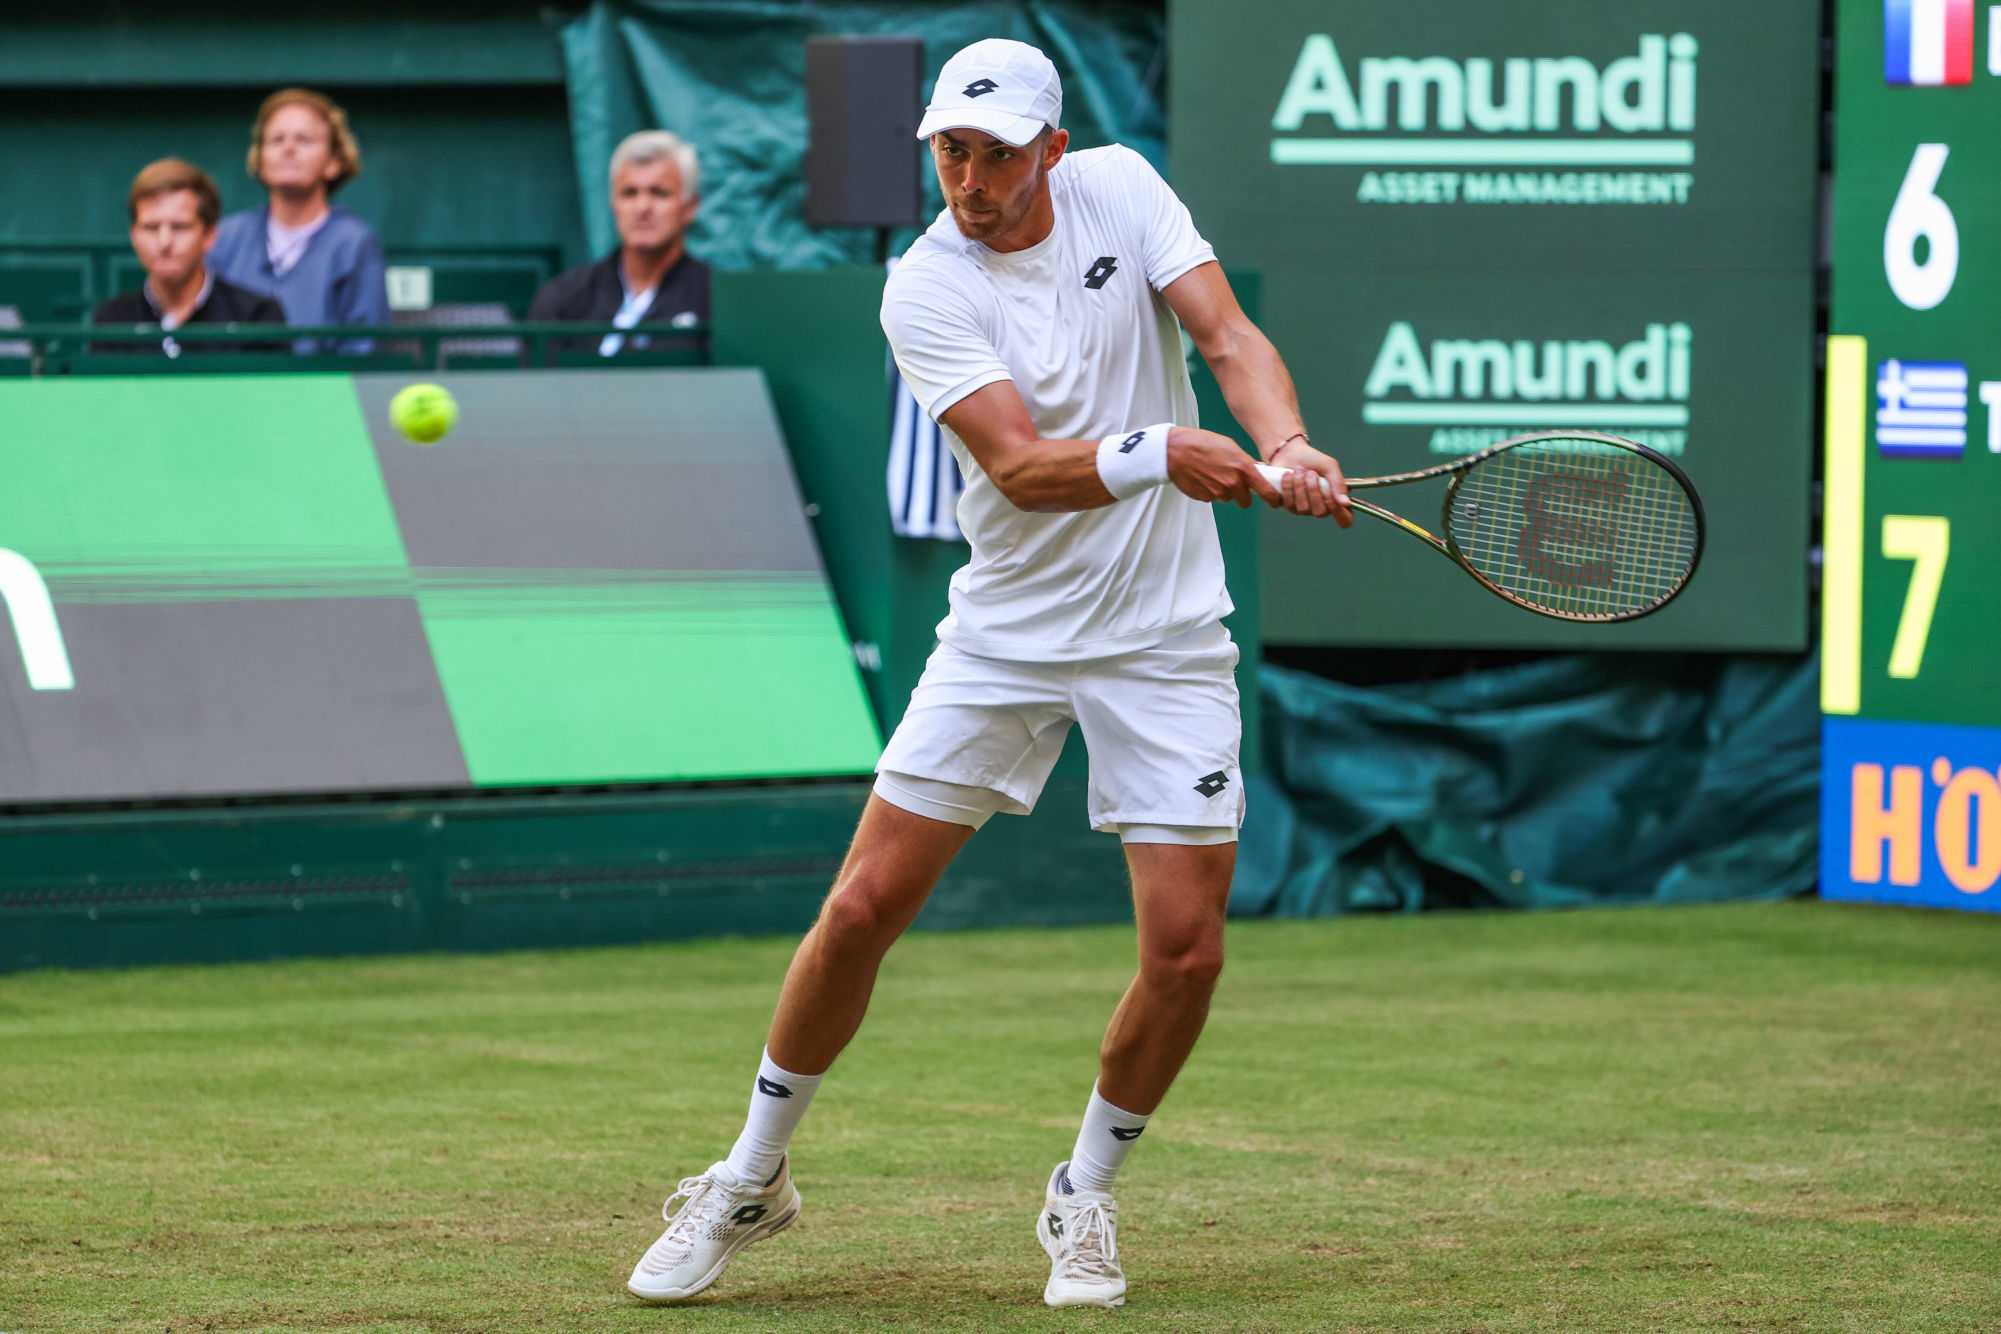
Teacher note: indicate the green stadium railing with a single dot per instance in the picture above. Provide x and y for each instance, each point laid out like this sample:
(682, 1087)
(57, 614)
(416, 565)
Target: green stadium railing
(71, 349)
(64, 280)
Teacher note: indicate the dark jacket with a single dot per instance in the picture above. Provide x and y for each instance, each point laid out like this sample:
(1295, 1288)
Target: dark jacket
(226, 303)
(594, 292)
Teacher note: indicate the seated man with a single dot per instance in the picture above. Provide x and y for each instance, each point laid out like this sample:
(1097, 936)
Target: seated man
(321, 262)
(650, 278)
(174, 210)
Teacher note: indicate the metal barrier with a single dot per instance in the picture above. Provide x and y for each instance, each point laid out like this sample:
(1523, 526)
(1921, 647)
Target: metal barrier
(71, 349)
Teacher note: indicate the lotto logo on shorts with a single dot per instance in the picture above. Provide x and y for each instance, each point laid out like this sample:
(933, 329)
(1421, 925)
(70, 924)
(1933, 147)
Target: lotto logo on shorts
(1210, 784)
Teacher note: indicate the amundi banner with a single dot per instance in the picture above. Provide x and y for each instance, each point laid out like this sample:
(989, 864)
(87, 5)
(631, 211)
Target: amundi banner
(1473, 390)
(1476, 220)
(1515, 131)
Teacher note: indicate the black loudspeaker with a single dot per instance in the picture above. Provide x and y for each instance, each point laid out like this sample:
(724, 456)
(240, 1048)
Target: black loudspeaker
(863, 99)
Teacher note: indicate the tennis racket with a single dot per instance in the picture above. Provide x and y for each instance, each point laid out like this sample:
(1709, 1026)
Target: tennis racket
(1571, 524)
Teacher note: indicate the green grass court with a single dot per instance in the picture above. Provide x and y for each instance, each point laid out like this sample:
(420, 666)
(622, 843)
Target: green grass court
(1780, 1116)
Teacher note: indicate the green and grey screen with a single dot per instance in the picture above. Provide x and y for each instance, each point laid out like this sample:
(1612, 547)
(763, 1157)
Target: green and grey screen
(1479, 220)
(222, 585)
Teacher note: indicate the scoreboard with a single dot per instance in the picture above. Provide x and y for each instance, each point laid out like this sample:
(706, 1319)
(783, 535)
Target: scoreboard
(1911, 592)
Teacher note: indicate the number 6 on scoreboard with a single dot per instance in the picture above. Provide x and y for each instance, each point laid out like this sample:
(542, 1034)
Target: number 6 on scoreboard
(1927, 540)
(1919, 213)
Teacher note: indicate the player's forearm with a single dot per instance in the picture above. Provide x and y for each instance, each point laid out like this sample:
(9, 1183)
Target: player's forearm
(1255, 384)
(1053, 477)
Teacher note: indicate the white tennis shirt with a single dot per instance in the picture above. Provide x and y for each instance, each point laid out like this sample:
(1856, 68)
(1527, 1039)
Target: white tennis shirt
(1077, 322)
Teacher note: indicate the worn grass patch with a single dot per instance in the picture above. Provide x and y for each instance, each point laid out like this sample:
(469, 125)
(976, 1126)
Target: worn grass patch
(1746, 1117)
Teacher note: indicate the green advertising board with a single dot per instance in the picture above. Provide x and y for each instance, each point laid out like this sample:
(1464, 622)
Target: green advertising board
(1910, 687)
(1479, 220)
(252, 584)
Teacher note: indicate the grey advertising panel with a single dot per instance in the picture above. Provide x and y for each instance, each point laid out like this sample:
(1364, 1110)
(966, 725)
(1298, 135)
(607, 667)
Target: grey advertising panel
(222, 585)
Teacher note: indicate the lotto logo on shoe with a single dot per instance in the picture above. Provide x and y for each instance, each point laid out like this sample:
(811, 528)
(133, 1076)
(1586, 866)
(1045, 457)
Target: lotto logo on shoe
(1209, 785)
(1098, 274)
(750, 1213)
(1055, 1225)
(772, 1088)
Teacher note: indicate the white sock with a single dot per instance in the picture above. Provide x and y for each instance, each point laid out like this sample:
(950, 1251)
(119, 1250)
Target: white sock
(777, 1105)
(1103, 1143)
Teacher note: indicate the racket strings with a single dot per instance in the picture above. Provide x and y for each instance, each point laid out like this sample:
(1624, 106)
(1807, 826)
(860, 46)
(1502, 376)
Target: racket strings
(1576, 528)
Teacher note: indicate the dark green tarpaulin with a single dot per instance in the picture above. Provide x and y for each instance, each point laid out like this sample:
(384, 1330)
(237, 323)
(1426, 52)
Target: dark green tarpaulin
(730, 78)
(1558, 782)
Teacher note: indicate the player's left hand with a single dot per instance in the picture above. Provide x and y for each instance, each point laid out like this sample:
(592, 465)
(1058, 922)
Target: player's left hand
(1302, 489)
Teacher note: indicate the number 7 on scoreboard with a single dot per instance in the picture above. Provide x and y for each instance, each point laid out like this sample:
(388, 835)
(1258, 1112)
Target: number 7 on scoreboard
(1925, 539)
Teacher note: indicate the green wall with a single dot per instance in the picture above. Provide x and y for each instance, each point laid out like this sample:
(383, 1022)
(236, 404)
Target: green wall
(460, 110)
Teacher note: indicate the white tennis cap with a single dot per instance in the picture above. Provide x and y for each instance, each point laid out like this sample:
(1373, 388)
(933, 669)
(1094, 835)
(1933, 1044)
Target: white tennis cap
(1008, 89)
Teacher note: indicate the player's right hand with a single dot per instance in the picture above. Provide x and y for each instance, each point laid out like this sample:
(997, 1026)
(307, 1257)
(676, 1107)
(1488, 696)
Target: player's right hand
(1209, 467)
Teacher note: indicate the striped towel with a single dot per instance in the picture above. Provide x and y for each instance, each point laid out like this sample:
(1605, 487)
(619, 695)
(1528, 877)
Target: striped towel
(924, 480)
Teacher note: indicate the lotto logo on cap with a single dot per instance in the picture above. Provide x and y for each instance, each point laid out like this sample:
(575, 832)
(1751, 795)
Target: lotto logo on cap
(1003, 88)
(1927, 43)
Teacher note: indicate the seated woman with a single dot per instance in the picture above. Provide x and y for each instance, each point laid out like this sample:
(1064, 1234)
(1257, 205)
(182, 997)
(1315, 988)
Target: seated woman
(321, 262)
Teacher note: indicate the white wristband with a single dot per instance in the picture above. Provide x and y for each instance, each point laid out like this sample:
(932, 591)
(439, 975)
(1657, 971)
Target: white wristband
(1133, 461)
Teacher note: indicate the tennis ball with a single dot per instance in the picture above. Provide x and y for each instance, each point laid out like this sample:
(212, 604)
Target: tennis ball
(424, 412)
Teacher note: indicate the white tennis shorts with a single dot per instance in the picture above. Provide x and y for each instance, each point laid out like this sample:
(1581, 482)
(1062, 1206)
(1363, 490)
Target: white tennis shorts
(1161, 725)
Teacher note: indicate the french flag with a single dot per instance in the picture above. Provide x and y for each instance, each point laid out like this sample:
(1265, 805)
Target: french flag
(1927, 43)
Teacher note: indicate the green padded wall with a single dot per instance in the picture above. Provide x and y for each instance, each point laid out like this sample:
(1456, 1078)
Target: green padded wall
(461, 112)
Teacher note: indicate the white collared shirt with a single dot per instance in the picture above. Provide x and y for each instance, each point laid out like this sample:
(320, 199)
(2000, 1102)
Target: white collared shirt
(1077, 322)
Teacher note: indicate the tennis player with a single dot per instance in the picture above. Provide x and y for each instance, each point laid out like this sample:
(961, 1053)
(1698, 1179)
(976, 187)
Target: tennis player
(1039, 321)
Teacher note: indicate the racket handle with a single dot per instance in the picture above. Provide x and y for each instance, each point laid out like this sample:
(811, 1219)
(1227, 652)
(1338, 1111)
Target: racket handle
(1277, 475)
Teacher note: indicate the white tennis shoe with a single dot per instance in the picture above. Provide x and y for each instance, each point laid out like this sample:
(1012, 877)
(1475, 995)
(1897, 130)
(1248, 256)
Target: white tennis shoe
(718, 1217)
(1080, 1230)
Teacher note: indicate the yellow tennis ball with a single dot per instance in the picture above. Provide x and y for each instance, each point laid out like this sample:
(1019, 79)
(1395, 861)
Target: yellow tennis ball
(424, 412)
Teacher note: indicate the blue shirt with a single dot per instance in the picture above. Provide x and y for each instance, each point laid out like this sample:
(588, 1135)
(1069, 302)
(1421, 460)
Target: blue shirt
(339, 279)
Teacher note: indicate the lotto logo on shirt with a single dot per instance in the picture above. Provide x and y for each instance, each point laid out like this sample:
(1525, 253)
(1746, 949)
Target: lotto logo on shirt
(1927, 43)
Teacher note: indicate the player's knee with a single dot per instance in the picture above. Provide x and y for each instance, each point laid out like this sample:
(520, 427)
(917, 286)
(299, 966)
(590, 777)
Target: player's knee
(852, 916)
(1192, 965)
(864, 911)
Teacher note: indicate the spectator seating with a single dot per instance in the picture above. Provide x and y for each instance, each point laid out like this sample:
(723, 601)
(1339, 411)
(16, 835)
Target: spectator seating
(464, 314)
(12, 349)
(51, 284)
(60, 282)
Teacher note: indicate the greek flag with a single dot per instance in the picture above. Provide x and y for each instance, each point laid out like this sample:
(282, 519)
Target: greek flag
(1921, 409)
(924, 481)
